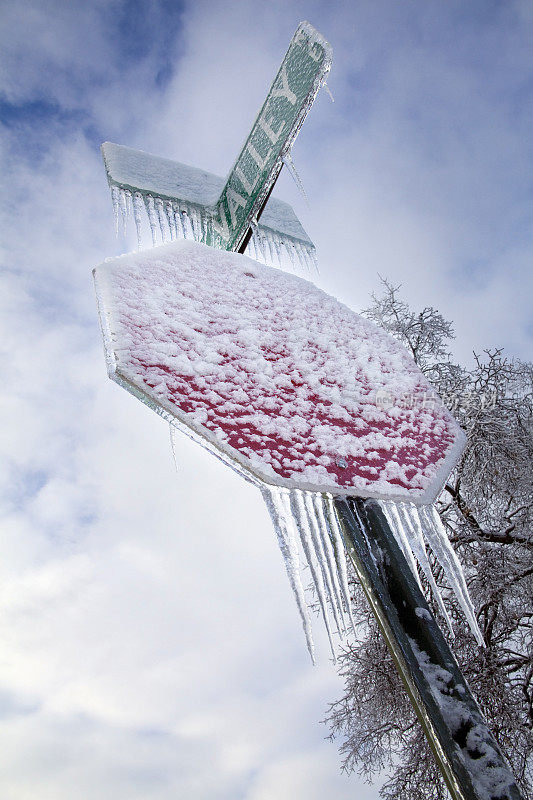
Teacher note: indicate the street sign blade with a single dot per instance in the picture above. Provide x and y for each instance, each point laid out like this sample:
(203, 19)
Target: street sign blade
(302, 73)
(275, 376)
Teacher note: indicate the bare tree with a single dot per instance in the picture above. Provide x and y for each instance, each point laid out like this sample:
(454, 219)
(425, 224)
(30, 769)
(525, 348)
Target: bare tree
(487, 509)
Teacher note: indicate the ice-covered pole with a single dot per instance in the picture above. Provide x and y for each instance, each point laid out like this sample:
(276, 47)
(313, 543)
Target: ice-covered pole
(467, 754)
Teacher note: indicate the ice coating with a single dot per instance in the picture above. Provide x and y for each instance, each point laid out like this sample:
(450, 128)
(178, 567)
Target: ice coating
(186, 193)
(410, 525)
(279, 378)
(437, 539)
(301, 516)
(490, 774)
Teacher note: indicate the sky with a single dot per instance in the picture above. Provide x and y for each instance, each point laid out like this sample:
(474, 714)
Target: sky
(150, 647)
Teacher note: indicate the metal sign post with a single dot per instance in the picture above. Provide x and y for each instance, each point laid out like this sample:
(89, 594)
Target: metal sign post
(455, 729)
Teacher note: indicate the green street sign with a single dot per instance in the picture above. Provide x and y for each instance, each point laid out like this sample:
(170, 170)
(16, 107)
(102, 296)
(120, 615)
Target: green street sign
(302, 73)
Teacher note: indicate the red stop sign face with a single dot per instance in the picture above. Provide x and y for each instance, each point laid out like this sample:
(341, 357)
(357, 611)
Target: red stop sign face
(277, 378)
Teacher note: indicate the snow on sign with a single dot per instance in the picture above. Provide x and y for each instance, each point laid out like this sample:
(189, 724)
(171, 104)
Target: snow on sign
(277, 378)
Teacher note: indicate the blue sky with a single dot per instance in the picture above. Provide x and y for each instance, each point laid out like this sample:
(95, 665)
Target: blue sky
(150, 644)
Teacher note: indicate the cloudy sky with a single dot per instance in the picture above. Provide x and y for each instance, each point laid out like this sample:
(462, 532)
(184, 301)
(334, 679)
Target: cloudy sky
(150, 647)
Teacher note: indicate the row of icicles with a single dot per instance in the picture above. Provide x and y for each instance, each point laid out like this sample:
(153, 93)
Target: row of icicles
(170, 220)
(307, 521)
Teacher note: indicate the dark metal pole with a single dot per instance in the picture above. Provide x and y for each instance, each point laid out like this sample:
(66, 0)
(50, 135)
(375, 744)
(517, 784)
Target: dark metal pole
(464, 748)
(248, 235)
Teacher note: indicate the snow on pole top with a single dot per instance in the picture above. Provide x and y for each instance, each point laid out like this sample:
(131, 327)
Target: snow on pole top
(277, 378)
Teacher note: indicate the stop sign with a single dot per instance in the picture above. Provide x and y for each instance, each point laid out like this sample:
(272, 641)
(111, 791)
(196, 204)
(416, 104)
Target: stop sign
(277, 378)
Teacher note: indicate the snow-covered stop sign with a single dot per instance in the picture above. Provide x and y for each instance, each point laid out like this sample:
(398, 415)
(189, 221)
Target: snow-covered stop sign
(279, 379)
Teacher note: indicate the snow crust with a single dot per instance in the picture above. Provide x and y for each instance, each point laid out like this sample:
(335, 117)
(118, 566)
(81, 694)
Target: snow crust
(275, 374)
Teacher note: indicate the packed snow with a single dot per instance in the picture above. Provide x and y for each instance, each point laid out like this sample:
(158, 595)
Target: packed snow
(280, 378)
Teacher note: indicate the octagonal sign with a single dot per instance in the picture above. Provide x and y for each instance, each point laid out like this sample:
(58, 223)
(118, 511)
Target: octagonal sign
(280, 380)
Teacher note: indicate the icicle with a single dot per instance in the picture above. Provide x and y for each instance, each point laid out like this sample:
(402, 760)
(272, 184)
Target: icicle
(138, 205)
(327, 559)
(270, 243)
(129, 208)
(302, 257)
(185, 223)
(289, 163)
(161, 218)
(254, 240)
(397, 528)
(312, 557)
(277, 250)
(278, 506)
(125, 208)
(437, 539)
(191, 214)
(297, 256)
(310, 258)
(314, 260)
(203, 229)
(261, 247)
(196, 224)
(307, 258)
(328, 91)
(171, 220)
(209, 229)
(172, 446)
(416, 541)
(178, 222)
(152, 216)
(192, 223)
(289, 247)
(188, 232)
(252, 248)
(115, 195)
(330, 519)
